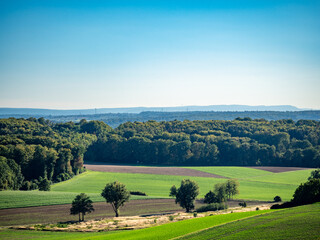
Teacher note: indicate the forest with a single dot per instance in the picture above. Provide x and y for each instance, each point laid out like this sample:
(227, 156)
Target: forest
(35, 149)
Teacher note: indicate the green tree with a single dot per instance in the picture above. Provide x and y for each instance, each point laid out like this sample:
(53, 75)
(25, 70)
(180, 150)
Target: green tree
(307, 193)
(185, 194)
(232, 188)
(220, 191)
(81, 204)
(210, 197)
(116, 194)
(315, 174)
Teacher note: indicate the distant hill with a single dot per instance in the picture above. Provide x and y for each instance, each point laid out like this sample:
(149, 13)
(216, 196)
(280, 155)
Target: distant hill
(217, 108)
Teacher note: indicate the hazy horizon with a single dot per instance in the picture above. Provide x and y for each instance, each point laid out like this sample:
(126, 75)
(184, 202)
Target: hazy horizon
(120, 54)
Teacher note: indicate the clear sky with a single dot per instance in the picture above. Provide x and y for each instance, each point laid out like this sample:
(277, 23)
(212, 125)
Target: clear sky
(94, 54)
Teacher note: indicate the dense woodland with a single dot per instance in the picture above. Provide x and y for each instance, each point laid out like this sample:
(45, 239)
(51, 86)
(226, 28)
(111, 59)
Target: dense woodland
(241, 142)
(36, 149)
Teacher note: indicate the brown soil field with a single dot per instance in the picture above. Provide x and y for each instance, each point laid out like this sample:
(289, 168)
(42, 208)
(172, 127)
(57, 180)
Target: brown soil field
(280, 169)
(150, 170)
(61, 213)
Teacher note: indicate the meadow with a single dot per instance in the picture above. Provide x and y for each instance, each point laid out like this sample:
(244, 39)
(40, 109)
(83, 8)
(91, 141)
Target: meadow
(255, 184)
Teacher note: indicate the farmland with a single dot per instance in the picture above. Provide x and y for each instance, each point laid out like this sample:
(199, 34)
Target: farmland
(295, 223)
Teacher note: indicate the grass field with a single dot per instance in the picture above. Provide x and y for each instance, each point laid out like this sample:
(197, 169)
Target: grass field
(295, 223)
(255, 184)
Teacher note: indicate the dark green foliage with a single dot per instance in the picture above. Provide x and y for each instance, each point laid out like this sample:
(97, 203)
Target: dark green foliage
(81, 204)
(243, 204)
(241, 142)
(232, 188)
(212, 207)
(10, 174)
(37, 148)
(44, 185)
(277, 199)
(210, 197)
(307, 193)
(138, 193)
(116, 194)
(220, 191)
(186, 194)
(315, 174)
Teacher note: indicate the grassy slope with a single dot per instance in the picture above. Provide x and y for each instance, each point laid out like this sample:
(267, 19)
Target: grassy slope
(166, 231)
(295, 223)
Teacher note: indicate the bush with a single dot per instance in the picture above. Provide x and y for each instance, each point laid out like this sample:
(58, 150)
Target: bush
(44, 185)
(283, 205)
(277, 199)
(138, 193)
(212, 207)
(307, 193)
(243, 204)
(210, 197)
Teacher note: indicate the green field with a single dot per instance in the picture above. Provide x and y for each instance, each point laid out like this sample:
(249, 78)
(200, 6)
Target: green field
(254, 185)
(294, 223)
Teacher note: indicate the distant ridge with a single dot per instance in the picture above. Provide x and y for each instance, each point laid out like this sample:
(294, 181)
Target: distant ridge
(217, 108)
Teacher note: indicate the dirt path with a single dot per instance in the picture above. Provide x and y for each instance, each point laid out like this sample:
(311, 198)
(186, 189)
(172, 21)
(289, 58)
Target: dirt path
(280, 169)
(150, 170)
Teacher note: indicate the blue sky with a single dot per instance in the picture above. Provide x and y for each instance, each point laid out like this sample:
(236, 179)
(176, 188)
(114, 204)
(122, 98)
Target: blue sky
(94, 54)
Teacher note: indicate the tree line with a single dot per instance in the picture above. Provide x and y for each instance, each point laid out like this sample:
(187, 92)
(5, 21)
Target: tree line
(241, 142)
(34, 152)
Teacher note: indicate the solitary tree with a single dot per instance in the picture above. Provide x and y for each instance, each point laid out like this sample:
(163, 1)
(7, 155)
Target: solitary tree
(81, 204)
(116, 194)
(185, 194)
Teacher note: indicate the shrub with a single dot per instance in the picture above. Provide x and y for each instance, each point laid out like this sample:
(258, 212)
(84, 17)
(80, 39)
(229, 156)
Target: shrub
(277, 199)
(195, 214)
(171, 218)
(138, 193)
(212, 207)
(257, 209)
(243, 204)
(44, 185)
(210, 197)
(307, 193)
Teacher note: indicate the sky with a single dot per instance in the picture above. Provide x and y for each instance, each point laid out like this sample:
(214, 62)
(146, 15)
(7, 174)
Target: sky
(159, 53)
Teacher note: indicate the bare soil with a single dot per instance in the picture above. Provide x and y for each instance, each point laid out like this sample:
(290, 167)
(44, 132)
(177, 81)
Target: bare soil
(179, 171)
(280, 169)
(61, 213)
